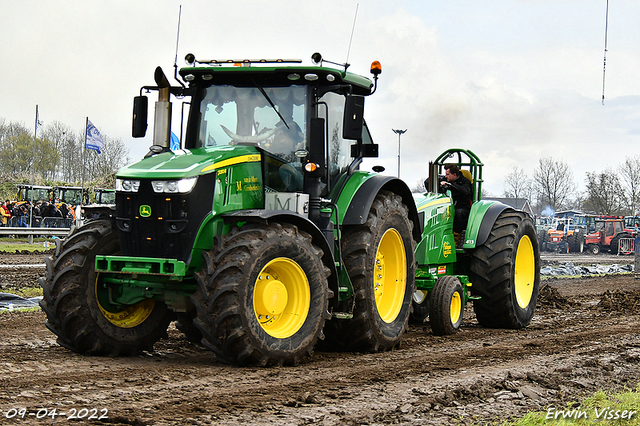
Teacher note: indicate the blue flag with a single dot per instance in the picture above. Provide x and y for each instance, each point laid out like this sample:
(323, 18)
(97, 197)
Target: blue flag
(175, 142)
(94, 139)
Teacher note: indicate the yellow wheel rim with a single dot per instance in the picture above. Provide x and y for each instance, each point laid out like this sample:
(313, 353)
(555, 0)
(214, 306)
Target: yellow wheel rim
(281, 298)
(455, 309)
(130, 316)
(390, 275)
(524, 272)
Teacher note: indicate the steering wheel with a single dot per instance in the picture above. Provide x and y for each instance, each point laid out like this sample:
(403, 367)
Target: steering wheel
(265, 134)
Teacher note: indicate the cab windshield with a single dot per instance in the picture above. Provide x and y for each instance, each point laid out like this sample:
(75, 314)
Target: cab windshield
(272, 118)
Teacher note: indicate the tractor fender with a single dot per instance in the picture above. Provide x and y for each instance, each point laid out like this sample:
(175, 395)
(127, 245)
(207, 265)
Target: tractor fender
(360, 204)
(265, 216)
(481, 219)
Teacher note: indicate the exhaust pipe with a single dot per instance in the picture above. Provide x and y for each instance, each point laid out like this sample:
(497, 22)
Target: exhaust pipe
(162, 121)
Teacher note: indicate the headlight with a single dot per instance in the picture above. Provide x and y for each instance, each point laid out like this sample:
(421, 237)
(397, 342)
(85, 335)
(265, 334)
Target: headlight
(127, 185)
(181, 186)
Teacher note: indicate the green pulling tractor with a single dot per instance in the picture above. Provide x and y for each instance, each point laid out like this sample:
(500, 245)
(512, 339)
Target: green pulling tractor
(261, 237)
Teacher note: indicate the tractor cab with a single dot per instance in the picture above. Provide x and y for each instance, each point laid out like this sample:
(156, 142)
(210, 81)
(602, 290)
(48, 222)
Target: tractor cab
(33, 193)
(70, 195)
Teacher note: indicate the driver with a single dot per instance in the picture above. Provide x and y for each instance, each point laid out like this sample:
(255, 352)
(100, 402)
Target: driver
(287, 140)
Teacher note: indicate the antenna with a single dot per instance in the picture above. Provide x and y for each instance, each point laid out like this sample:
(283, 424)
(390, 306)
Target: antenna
(604, 65)
(175, 61)
(346, 63)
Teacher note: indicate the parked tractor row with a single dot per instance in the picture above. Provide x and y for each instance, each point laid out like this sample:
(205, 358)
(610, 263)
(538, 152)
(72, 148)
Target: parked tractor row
(588, 233)
(263, 238)
(64, 194)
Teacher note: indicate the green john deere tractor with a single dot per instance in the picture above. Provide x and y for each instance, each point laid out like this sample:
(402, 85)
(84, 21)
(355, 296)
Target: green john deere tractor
(261, 236)
(496, 263)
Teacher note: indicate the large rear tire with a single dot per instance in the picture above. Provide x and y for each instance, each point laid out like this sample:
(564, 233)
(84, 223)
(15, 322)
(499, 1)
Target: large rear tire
(576, 242)
(505, 273)
(262, 295)
(379, 257)
(615, 243)
(76, 300)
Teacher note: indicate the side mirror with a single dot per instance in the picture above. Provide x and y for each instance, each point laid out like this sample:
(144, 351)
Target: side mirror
(317, 146)
(140, 112)
(364, 150)
(353, 117)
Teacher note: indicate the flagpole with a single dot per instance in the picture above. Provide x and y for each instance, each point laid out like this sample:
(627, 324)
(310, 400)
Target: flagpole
(84, 148)
(33, 172)
(33, 163)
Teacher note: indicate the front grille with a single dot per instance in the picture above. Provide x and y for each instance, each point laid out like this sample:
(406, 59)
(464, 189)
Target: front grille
(169, 228)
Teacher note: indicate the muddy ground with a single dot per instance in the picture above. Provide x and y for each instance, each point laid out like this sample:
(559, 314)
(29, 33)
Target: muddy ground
(585, 336)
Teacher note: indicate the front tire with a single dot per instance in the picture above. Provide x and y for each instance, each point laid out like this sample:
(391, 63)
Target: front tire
(505, 272)
(262, 295)
(447, 306)
(76, 302)
(379, 257)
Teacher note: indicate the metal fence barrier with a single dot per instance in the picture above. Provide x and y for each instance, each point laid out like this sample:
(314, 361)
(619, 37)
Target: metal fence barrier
(5, 230)
(37, 226)
(57, 222)
(626, 246)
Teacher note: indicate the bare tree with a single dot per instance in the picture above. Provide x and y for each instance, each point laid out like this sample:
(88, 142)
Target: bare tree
(70, 165)
(604, 193)
(630, 172)
(57, 133)
(553, 181)
(419, 186)
(517, 184)
(114, 156)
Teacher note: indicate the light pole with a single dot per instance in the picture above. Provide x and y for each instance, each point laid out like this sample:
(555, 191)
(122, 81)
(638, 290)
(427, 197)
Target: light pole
(399, 133)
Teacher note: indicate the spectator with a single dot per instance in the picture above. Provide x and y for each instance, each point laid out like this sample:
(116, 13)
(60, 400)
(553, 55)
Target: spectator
(37, 214)
(57, 214)
(5, 213)
(21, 215)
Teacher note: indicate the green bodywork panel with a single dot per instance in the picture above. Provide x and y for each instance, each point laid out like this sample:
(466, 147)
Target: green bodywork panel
(189, 163)
(345, 196)
(438, 244)
(476, 216)
(343, 200)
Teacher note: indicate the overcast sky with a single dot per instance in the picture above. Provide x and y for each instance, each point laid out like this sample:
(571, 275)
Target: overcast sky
(511, 80)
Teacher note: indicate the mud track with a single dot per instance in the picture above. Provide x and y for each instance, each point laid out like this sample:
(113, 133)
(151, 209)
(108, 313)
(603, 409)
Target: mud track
(585, 336)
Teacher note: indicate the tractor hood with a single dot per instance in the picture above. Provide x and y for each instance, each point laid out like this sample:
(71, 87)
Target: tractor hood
(190, 162)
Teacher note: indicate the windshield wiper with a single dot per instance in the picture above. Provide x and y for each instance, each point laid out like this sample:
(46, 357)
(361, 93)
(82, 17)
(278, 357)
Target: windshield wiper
(273, 106)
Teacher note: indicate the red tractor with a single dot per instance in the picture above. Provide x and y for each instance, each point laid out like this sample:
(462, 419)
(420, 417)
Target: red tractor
(607, 235)
(563, 237)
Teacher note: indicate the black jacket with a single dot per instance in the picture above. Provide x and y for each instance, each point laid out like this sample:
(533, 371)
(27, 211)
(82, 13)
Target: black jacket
(460, 192)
